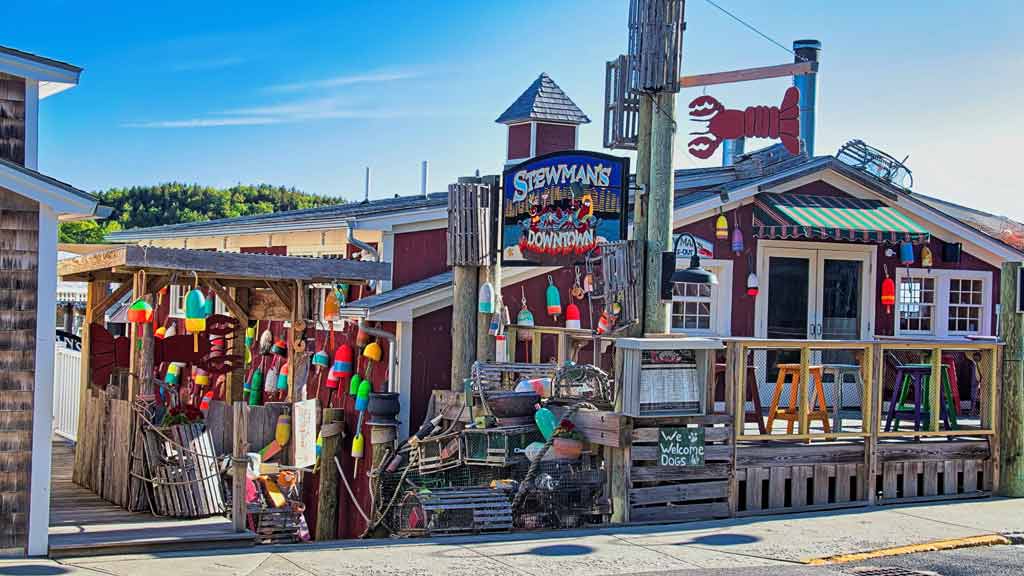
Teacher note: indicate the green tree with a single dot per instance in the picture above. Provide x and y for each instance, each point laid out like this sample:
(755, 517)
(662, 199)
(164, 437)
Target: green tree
(176, 202)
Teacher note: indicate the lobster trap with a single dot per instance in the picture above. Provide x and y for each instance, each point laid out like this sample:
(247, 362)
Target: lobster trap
(498, 446)
(454, 511)
(439, 453)
(563, 495)
(277, 525)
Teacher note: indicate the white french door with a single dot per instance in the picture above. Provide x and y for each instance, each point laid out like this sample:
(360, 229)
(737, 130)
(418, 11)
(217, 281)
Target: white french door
(814, 290)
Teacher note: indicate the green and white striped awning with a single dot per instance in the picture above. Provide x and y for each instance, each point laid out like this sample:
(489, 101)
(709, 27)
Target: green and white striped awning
(783, 216)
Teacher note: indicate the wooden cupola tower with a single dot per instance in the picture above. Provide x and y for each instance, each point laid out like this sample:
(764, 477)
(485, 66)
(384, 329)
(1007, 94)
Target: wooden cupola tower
(542, 120)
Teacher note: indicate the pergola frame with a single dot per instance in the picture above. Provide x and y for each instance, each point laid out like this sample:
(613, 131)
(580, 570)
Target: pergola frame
(251, 286)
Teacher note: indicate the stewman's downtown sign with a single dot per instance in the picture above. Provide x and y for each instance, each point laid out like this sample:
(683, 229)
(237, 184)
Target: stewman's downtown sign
(559, 207)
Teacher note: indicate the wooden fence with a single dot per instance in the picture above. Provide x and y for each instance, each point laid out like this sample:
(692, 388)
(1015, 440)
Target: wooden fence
(823, 451)
(67, 389)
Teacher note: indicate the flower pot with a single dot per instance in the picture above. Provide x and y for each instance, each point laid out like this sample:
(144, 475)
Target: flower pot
(384, 404)
(566, 448)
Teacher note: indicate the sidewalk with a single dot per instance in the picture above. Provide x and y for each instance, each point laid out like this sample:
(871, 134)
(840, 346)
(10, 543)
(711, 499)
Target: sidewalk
(725, 544)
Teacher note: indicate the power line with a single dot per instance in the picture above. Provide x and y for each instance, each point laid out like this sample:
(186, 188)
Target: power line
(749, 26)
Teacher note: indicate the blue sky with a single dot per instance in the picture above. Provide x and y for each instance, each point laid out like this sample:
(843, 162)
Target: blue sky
(220, 92)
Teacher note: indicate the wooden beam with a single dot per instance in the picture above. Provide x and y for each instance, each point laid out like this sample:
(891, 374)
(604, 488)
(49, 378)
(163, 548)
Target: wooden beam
(283, 294)
(107, 301)
(94, 292)
(225, 297)
(748, 74)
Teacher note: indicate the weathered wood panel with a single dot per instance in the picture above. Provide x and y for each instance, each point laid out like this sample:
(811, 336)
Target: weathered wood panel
(19, 264)
(775, 489)
(12, 118)
(934, 450)
(793, 454)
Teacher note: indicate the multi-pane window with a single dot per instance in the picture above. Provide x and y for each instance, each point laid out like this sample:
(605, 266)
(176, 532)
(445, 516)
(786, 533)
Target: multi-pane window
(943, 303)
(965, 305)
(692, 306)
(916, 304)
(177, 302)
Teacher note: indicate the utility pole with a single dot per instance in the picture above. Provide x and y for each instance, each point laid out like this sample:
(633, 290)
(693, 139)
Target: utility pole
(1010, 410)
(660, 199)
(642, 185)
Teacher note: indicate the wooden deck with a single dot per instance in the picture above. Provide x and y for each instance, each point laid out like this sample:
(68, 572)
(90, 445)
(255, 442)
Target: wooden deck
(83, 524)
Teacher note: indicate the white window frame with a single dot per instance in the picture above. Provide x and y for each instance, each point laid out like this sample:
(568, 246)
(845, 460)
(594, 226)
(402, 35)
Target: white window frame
(173, 295)
(934, 305)
(721, 298)
(940, 318)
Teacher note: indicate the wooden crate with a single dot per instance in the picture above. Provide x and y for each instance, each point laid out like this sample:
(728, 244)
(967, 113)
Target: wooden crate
(678, 493)
(276, 525)
(469, 224)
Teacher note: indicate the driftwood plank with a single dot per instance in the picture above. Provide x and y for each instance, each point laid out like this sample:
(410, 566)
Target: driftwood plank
(798, 454)
(799, 478)
(679, 473)
(934, 450)
(822, 472)
(777, 477)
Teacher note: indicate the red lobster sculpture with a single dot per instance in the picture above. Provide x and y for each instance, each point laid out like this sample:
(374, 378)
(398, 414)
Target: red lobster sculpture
(782, 122)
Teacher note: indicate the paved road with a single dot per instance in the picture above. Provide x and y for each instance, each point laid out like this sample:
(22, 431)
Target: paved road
(984, 561)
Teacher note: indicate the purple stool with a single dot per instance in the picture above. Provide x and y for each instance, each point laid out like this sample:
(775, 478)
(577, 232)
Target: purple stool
(917, 375)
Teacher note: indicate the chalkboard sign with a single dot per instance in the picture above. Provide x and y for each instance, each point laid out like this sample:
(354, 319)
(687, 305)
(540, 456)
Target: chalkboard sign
(681, 447)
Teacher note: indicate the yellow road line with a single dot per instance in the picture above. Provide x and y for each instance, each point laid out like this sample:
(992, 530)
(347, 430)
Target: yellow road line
(987, 540)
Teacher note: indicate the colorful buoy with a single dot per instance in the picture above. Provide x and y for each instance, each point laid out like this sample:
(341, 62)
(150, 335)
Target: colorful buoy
(553, 299)
(140, 312)
(373, 352)
(363, 395)
(486, 298)
(343, 361)
(926, 257)
(279, 347)
(572, 316)
(282, 378)
(906, 253)
(204, 404)
(321, 359)
(195, 315)
(753, 286)
(721, 228)
(256, 387)
(353, 384)
(737, 240)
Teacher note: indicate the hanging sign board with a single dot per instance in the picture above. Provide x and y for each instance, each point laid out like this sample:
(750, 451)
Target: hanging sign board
(681, 447)
(780, 122)
(304, 432)
(557, 208)
(685, 248)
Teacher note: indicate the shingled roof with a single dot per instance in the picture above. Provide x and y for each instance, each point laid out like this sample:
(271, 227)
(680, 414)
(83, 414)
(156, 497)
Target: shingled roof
(543, 100)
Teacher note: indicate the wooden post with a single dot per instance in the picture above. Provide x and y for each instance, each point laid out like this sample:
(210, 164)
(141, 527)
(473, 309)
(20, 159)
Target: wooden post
(643, 184)
(140, 379)
(485, 343)
(327, 505)
(870, 415)
(1011, 420)
(659, 208)
(463, 324)
(620, 458)
(239, 451)
(382, 438)
(935, 391)
(236, 379)
(95, 292)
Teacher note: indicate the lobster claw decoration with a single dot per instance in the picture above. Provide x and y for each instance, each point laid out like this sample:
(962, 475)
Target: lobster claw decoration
(776, 122)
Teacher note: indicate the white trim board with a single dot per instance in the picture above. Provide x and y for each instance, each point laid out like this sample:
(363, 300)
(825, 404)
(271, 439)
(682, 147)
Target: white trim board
(51, 79)
(42, 395)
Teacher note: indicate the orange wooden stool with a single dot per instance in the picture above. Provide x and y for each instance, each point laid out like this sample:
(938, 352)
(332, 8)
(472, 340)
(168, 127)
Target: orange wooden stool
(791, 413)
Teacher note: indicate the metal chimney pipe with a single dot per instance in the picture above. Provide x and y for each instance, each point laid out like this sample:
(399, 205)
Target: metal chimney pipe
(807, 51)
(424, 172)
(366, 192)
(732, 149)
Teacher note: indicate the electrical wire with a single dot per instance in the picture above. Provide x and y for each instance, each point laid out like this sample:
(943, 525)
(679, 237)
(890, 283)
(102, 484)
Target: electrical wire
(750, 27)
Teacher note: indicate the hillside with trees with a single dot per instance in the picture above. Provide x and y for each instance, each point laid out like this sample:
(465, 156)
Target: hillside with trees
(174, 202)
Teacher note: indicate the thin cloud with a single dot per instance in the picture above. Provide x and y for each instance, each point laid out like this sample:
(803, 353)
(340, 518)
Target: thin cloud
(209, 64)
(346, 80)
(204, 122)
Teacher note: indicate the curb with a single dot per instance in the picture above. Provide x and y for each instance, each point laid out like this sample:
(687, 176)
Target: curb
(935, 545)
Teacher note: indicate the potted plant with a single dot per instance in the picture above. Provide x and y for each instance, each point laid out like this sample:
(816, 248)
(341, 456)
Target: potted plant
(567, 442)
